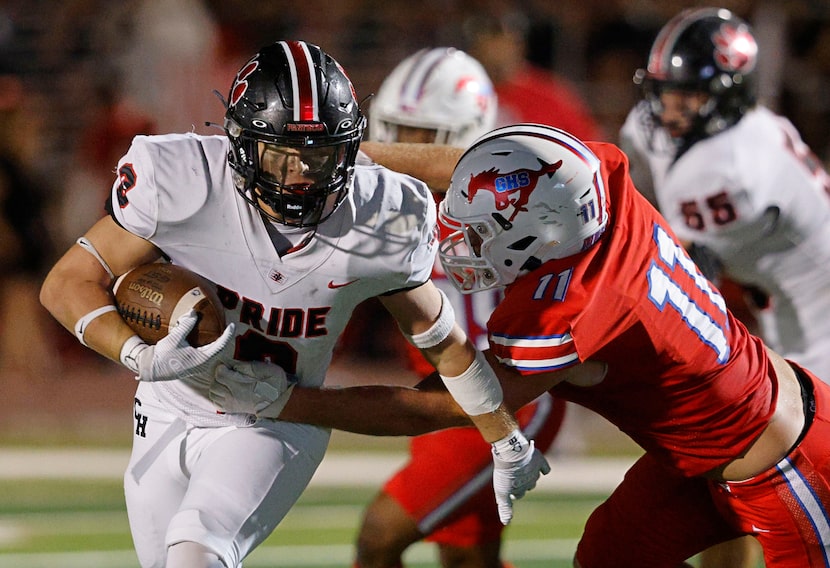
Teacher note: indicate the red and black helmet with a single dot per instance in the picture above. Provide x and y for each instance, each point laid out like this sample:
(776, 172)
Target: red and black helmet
(708, 50)
(292, 97)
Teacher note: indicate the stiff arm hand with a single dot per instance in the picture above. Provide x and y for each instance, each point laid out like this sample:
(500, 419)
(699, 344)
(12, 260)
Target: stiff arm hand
(517, 465)
(173, 357)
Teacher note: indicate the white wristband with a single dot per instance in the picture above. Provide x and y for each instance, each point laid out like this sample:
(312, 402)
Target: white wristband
(439, 330)
(477, 390)
(84, 321)
(130, 352)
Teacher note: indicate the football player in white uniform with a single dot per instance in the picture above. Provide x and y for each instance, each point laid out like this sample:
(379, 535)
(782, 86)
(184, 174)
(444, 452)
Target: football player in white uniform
(295, 235)
(443, 96)
(732, 176)
(734, 179)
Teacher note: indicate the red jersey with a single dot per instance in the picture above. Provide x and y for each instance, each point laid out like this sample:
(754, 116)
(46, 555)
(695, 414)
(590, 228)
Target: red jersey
(685, 379)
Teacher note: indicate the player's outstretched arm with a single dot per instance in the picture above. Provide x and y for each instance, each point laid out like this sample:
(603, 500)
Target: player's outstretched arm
(374, 410)
(385, 410)
(431, 163)
(426, 318)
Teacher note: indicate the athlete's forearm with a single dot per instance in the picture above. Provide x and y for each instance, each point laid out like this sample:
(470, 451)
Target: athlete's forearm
(431, 163)
(375, 410)
(78, 285)
(89, 284)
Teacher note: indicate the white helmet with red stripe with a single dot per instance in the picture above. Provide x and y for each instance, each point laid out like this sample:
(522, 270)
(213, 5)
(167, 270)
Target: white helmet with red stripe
(442, 90)
(293, 100)
(520, 196)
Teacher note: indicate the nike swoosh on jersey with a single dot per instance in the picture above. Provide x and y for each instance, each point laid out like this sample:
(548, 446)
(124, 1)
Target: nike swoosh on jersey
(333, 286)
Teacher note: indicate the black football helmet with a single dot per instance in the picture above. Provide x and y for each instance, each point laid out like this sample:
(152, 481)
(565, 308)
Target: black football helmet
(294, 126)
(707, 50)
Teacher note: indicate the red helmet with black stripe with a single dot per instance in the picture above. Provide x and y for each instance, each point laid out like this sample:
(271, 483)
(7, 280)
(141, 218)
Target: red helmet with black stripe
(294, 126)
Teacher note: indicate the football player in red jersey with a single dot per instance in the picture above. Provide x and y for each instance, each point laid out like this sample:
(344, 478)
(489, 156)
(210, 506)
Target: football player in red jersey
(276, 213)
(443, 494)
(735, 180)
(604, 307)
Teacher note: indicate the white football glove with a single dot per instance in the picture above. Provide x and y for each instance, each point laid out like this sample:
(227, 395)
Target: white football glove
(517, 465)
(173, 357)
(251, 387)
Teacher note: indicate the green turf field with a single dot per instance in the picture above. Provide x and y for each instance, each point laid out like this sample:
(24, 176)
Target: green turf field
(67, 524)
(62, 507)
(83, 524)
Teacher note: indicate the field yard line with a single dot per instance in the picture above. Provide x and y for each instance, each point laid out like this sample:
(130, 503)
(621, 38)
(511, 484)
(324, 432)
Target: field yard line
(573, 474)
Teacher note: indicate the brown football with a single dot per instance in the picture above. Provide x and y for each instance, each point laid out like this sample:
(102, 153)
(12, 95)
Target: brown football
(150, 298)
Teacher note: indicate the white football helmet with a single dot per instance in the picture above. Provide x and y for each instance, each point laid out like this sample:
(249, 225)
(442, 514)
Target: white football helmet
(441, 89)
(520, 196)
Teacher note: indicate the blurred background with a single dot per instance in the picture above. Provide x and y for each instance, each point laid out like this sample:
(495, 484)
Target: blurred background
(80, 78)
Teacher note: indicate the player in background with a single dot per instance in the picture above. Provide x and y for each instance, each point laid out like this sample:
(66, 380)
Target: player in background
(276, 213)
(738, 186)
(443, 494)
(604, 307)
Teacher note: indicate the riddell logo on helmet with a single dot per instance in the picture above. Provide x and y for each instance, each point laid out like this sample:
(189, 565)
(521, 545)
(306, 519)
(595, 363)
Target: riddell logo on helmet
(505, 186)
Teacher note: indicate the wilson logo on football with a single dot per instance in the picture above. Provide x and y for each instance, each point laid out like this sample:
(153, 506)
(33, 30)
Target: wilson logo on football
(147, 293)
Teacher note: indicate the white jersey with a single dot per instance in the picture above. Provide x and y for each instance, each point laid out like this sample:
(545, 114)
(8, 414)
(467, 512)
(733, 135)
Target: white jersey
(289, 310)
(755, 196)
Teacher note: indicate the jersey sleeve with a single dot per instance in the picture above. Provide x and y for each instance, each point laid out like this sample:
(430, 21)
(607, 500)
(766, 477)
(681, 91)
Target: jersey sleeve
(363, 159)
(163, 181)
(412, 217)
(134, 193)
(531, 344)
(395, 228)
(423, 256)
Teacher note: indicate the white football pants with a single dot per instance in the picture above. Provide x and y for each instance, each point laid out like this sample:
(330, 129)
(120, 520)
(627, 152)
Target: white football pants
(226, 488)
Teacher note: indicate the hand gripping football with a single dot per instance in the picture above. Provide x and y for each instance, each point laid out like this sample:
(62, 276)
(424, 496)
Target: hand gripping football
(150, 298)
